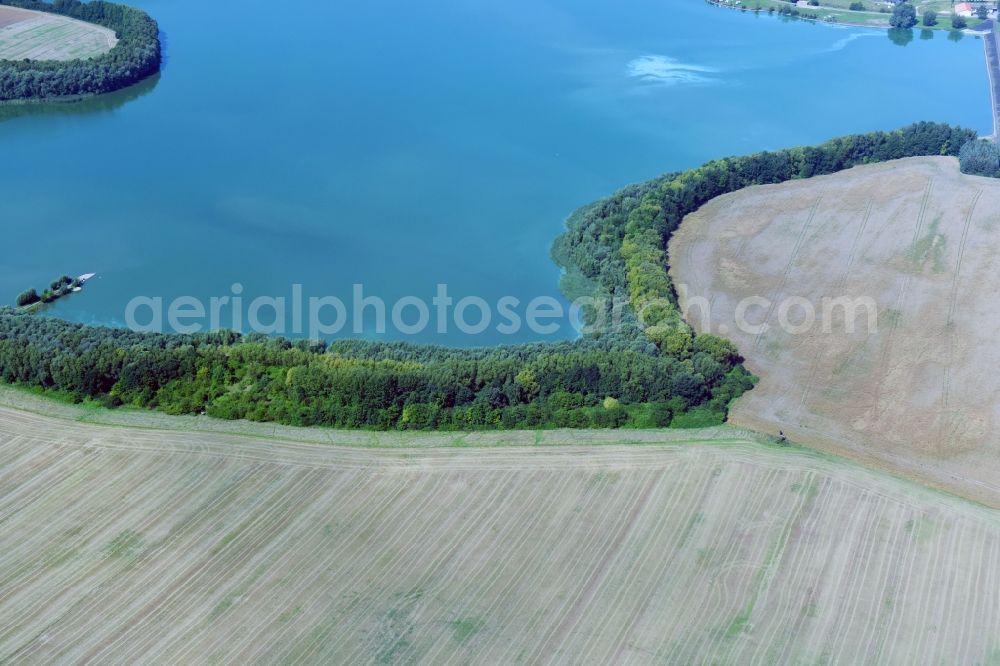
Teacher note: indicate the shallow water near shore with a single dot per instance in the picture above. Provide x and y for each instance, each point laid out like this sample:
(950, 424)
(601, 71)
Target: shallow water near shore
(401, 146)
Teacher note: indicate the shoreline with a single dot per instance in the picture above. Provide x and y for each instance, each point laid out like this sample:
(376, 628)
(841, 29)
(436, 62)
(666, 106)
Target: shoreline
(817, 19)
(134, 56)
(63, 99)
(990, 45)
(800, 17)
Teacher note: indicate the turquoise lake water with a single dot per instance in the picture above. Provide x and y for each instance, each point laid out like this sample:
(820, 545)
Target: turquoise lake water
(401, 145)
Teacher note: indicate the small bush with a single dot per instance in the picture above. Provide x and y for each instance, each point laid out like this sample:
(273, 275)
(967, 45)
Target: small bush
(29, 297)
(980, 158)
(700, 417)
(930, 18)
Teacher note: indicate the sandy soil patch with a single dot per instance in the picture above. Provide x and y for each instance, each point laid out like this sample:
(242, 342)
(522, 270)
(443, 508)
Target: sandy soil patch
(919, 393)
(12, 15)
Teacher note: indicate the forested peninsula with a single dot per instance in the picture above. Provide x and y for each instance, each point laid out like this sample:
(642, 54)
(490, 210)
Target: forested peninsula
(652, 371)
(136, 56)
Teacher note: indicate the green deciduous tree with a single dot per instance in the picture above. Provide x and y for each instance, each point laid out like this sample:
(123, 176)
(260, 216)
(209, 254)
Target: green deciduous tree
(980, 158)
(28, 297)
(618, 244)
(903, 16)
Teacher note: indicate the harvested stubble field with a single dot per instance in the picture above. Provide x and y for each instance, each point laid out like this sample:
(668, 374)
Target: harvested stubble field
(918, 394)
(44, 36)
(133, 545)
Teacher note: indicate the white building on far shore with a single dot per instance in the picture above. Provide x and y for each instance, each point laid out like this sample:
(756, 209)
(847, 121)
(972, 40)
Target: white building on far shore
(965, 9)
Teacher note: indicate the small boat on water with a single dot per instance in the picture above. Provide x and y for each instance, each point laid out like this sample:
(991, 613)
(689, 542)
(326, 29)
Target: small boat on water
(31, 300)
(82, 280)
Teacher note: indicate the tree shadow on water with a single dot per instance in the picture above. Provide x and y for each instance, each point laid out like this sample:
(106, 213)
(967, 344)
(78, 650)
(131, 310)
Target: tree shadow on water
(164, 51)
(900, 36)
(89, 105)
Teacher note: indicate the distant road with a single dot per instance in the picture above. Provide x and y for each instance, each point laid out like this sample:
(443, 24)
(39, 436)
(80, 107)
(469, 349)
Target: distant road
(993, 67)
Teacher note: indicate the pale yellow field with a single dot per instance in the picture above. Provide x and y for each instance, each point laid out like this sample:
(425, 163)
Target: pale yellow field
(126, 545)
(44, 36)
(919, 392)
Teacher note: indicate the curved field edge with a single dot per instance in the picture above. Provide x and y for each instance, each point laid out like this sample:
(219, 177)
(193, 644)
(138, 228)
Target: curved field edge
(17, 400)
(34, 35)
(128, 545)
(917, 239)
(650, 371)
(134, 57)
(41, 404)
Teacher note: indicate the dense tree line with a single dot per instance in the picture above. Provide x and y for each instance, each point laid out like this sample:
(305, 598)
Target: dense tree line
(358, 385)
(651, 371)
(619, 244)
(133, 58)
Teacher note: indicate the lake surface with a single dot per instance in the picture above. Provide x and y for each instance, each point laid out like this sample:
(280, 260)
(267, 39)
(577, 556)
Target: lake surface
(401, 145)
